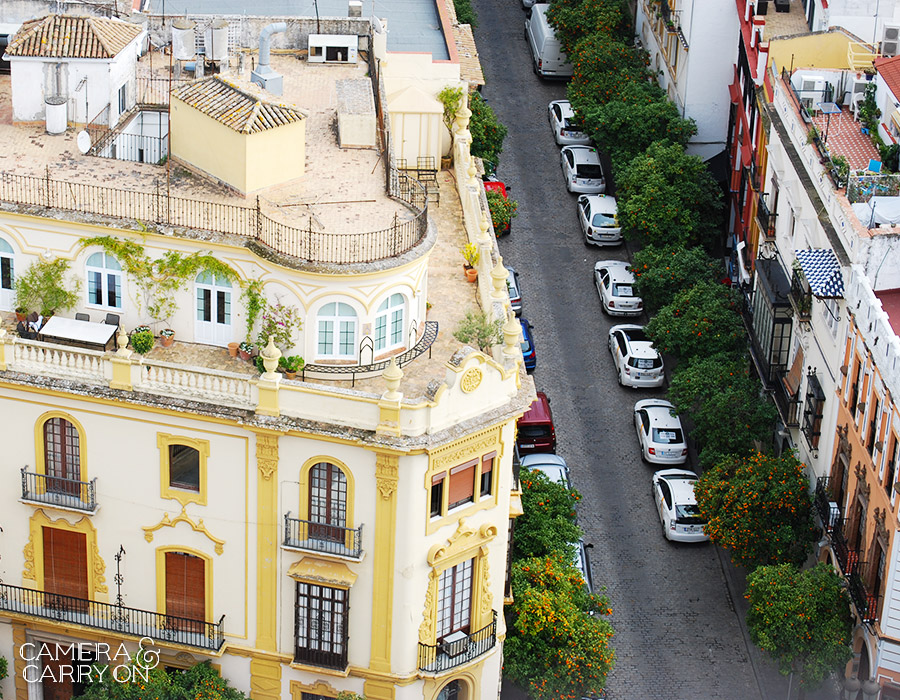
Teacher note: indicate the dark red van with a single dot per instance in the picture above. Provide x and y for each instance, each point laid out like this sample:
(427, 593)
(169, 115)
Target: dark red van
(535, 428)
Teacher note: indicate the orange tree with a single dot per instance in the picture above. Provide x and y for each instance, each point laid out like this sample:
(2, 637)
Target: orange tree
(660, 272)
(723, 400)
(487, 131)
(200, 682)
(601, 66)
(573, 20)
(666, 196)
(758, 507)
(558, 643)
(547, 525)
(700, 320)
(801, 618)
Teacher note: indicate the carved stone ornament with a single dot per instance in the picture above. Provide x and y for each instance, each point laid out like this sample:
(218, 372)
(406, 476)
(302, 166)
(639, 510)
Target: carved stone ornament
(843, 440)
(471, 379)
(487, 598)
(266, 455)
(880, 515)
(862, 486)
(426, 629)
(462, 451)
(99, 570)
(183, 517)
(386, 475)
(465, 538)
(28, 553)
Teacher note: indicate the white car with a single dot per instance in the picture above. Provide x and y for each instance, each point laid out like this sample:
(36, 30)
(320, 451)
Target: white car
(638, 365)
(659, 432)
(673, 492)
(561, 115)
(552, 466)
(615, 285)
(598, 215)
(582, 169)
(583, 563)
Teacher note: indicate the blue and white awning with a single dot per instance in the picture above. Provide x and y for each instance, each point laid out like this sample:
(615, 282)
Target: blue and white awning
(822, 271)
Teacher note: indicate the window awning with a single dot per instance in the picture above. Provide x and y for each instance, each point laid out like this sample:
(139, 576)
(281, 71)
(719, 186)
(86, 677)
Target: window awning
(822, 271)
(319, 571)
(895, 117)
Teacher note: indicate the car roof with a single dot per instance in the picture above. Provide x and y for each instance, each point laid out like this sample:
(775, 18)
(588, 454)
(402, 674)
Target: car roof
(610, 265)
(539, 411)
(660, 417)
(601, 203)
(584, 154)
(496, 186)
(625, 327)
(565, 106)
(681, 482)
(642, 348)
(543, 458)
(551, 471)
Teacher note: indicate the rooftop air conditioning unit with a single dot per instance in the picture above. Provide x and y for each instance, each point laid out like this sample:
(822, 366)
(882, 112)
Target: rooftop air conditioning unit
(333, 48)
(890, 40)
(812, 87)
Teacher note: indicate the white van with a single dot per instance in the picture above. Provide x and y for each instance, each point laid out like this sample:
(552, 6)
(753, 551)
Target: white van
(549, 59)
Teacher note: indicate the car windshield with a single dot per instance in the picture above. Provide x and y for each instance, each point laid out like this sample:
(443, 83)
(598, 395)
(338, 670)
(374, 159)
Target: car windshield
(645, 362)
(590, 171)
(668, 436)
(569, 125)
(635, 335)
(536, 431)
(513, 290)
(623, 290)
(526, 347)
(604, 221)
(688, 515)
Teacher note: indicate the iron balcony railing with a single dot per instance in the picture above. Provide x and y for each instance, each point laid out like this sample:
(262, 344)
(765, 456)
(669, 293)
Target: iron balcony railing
(321, 537)
(828, 510)
(800, 296)
(788, 404)
(765, 218)
(866, 603)
(59, 491)
(452, 652)
(113, 618)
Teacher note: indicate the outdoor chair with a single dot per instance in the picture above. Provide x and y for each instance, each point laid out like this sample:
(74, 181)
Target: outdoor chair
(82, 317)
(112, 320)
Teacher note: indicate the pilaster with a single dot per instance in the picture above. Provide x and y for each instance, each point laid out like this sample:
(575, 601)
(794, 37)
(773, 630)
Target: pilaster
(386, 479)
(267, 545)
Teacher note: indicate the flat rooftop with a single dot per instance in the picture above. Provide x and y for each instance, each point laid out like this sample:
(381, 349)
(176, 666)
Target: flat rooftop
(413, 25)
(890, 302)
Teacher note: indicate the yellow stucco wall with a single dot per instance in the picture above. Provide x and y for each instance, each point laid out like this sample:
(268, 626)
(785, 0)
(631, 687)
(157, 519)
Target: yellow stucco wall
(821, 50)
(276, 155)
(208, 145)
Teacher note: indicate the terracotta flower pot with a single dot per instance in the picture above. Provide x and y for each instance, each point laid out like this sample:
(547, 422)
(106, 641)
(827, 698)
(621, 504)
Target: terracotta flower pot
(290, 375)
(245, 355)
(20, 316)
(167, 340)
(233, 349)
(471, 274)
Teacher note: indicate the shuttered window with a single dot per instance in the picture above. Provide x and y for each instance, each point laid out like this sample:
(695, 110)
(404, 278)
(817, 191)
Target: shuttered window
(186, 591)
(62, 456)
(65, 567)
(321, 625)
(462, 484)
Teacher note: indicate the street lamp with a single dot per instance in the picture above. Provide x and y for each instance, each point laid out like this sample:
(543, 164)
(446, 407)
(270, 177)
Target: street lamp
(870, 690)
(851, 689)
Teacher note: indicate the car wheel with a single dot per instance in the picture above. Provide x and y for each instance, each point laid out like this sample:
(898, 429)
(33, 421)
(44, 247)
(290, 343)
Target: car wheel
(619, 377)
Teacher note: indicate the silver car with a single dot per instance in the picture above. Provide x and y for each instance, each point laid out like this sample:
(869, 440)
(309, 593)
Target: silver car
(582, 169)
(598, 216)
(552, 466)
(561, 116)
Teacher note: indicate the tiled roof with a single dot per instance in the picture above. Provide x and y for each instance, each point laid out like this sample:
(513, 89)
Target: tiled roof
(72, 36)
(889, 69)
(234, 107)
(469, 64)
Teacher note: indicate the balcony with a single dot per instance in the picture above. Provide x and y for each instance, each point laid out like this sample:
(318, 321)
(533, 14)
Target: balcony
(800, 296)
(310, 536)
(788, 405)
(58, 491)
(866, 603)
(765, 219)
(457, 649)
(113, 618)
(828, 510)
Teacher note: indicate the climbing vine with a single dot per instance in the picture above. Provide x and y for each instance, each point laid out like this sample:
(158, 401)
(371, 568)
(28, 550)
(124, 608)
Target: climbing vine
(255, 302)
(160, 278)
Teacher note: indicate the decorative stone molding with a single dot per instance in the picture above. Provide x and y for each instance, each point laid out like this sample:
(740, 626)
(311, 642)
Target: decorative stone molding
(427, 629)
(33, 557)
(266, 455)
(862, 486)
(880, 515)
(386, 474)
(487, 598)
(183, 517)
(463, 450)
(463, 541)
(471, 379)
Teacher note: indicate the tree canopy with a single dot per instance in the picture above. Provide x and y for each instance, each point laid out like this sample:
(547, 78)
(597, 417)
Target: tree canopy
(200, 682)
(547, 525)
(661, 272)
(801, 618)
(758, 507)
(487, 132)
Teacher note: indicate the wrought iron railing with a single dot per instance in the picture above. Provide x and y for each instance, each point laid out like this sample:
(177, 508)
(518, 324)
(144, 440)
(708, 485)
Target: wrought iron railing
(801, 296)
(136, 148)
(59, 491)
(866, 603)
(765, 218)
(157, 207)
(113, 618)
(828, 510)
(321, 537)
(788, 404)
(450, 653)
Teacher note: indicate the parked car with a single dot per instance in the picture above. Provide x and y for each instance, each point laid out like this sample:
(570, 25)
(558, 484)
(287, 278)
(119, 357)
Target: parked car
(673, 492)
(659, 432)
(583, 563)
(598, 216)
(615, 285)
(548, 60)
(638, 364)
(515, 291)
(535, 431)
(500, 188)
(582, 169)
(562, 116)
(528, 351)
(552, 466)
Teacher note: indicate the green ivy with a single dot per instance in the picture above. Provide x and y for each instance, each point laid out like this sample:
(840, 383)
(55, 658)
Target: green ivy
(254, 302)
(160, 278)
(3, 672)
(43, 287)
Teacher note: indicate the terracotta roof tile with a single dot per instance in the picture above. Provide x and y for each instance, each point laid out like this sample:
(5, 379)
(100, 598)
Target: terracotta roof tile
(235, 108)
(889, 69)
(469, 63)
(72, 36)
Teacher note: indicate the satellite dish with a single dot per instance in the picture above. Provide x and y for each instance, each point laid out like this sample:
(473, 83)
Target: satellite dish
(84, 141)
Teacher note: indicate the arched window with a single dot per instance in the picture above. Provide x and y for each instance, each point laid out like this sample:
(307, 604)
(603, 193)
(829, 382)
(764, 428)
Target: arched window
(327, 502)
(389, 323)
(213, 310)
(104, 278)
(337, 331)
(62, 456)
(7, 275)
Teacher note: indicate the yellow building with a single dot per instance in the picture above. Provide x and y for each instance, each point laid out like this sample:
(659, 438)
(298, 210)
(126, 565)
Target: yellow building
(342, 530)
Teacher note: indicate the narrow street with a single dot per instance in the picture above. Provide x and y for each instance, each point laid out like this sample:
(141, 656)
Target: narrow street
(677, 633)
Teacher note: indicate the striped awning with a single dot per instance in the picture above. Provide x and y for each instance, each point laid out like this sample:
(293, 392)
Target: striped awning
(822, 271)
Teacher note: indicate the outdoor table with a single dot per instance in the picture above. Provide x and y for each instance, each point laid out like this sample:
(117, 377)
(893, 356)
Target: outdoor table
(828, 108)
(68, 331)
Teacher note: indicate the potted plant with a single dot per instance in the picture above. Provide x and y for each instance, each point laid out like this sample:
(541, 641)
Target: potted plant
(244, 350)
(280, 322)
(43, 287)
(502, 210)
(21, 313)
(142, 340)
(291, 365)
(167, 336)
(470, 255)
(870, 72)
(812, 136)
(233, 349)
